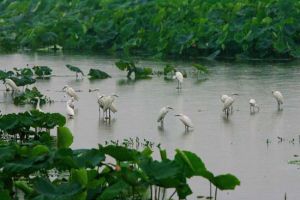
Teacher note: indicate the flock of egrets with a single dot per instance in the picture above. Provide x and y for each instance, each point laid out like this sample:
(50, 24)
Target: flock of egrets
(106, 102)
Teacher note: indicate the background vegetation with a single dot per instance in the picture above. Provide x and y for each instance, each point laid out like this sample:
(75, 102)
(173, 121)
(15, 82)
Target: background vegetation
(239, 28)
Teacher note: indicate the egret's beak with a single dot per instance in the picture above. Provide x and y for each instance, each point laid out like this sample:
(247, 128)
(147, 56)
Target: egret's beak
(170, 108)
(177, 115)
(115, 95)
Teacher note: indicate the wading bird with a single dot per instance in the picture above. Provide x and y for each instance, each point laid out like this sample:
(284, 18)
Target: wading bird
(38, 108)
(186, 121)
(178, 75)
(107, 104)
(11, 84)
(253, 105)
(70, 111)
(71, 103)
(279, 98)
(227, 105)
(162, 113)
(70, 91)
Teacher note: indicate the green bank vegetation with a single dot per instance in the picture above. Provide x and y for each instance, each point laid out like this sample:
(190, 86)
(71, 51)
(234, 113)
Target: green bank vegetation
(223, 28)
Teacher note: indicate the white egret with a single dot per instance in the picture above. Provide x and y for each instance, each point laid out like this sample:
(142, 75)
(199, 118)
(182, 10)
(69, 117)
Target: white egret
(107, 102)
(38, 108)
(178, 75)
(279, 98)
(224, 97)
(70, 91)
(227, 104)
(11, 84)
(162, 113)
(186, 121)
(70, 111)
(71, 102)
(253, 105)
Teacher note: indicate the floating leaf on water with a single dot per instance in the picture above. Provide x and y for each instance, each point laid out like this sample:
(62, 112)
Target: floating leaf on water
(98, 74)
(42, 71)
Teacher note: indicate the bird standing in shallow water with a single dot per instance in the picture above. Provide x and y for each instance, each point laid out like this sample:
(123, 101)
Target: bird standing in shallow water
(38, 105)
(71, 103)
(227, 105)
(11, 84)
(178, 75)
(70, 111)
(279, 98)
(162, 113)
(253, 105)
(187, 122)
(70, 91)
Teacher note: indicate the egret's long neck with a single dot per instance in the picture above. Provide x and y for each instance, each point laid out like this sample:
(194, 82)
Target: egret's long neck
(38, 104)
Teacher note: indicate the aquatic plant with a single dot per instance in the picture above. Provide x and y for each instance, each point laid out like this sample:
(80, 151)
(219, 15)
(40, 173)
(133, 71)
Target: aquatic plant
(98, 74)
(30, 97)
(42, 170)
(129, 66)
(24, 72)
(42, 71)
(23, 80)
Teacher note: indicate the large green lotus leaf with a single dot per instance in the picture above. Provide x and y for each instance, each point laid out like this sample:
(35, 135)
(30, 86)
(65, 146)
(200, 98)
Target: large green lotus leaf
(24, 166)
(183, 191)
(115, 190)
(80, 176)
(64, 159)
(8, 122)
(42, 70)
(7, 153)
(24, 80)
(88, 158)
(74, 68)
(193, 165)
(39, 150)
(53, 191)
(226, 182)
(131, 176)
(168, 69)
(23, 185)
(98, 74)
(4, 195)
(122, 64)
(165, 173)
(64, 137)
(3, 75)
(120, 153)
(26, 72)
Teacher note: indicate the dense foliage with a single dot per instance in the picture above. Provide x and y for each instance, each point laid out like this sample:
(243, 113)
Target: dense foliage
(31, 163)
(240, 28)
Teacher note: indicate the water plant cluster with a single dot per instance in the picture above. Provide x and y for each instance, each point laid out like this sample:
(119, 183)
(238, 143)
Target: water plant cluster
(23, 77)
(240, 29)
(34, 165)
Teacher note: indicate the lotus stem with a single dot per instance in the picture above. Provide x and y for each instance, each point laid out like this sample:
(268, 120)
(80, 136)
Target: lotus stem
(172, 195)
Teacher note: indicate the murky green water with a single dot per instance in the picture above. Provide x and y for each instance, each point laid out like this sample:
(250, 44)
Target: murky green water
(237, 145)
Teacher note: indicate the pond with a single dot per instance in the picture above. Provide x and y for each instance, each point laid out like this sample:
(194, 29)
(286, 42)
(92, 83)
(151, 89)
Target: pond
(237, 145)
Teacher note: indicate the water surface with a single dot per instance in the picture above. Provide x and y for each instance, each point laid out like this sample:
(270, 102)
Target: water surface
(237, 145)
